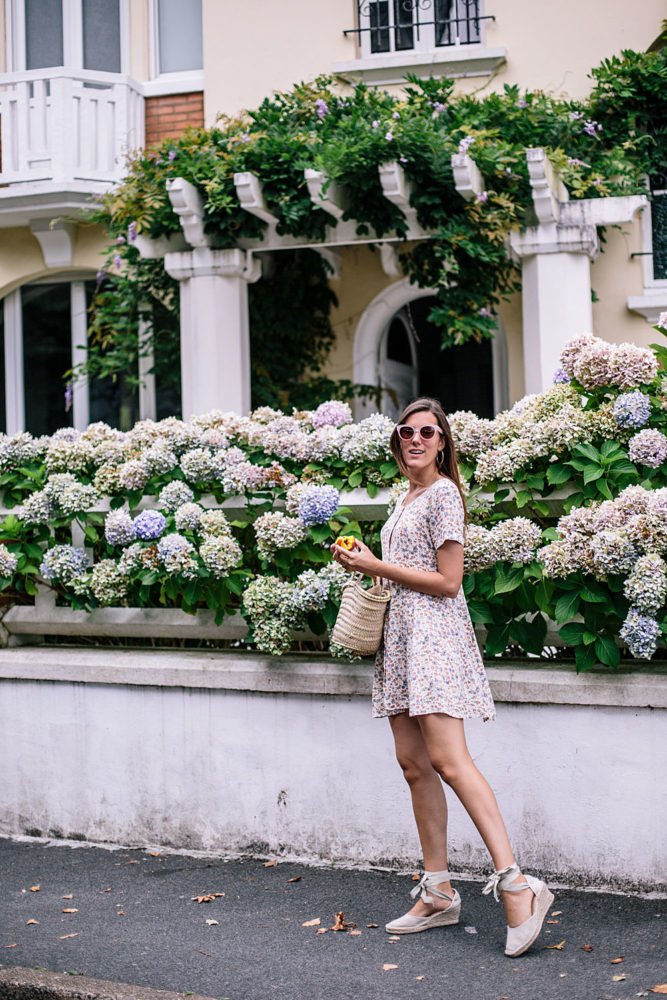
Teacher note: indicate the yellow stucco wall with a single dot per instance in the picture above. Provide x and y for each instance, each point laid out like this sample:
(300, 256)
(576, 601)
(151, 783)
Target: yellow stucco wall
(139, 40)
(21, 257)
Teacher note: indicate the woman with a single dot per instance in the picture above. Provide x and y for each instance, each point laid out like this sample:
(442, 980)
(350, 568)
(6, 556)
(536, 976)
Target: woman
(429, 677)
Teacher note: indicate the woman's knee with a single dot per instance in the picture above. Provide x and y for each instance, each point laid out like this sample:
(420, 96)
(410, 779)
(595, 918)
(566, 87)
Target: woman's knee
(449, 769)
(414, 768)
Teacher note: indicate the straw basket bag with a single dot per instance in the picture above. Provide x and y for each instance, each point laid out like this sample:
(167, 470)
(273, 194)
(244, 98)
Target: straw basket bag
(361, 616)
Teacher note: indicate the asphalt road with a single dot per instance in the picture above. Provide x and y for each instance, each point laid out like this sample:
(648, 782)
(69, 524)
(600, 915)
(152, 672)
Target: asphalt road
(135, 920)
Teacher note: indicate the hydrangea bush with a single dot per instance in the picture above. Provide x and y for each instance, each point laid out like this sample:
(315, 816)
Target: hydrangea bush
(567, 496)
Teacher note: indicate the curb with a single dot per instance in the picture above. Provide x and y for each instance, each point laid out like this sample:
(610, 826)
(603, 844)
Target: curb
(32, 984)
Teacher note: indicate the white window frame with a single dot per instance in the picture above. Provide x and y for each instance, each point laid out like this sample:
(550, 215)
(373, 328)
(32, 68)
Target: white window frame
(184, 82)
(72, 35)
(14, 373)
(647, 248)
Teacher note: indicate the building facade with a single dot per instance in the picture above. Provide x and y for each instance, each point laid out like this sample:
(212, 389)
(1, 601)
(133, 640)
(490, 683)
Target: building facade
(84, 82)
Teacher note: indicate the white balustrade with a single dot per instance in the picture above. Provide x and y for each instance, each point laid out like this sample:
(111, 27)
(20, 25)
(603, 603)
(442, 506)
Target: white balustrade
(64, 125)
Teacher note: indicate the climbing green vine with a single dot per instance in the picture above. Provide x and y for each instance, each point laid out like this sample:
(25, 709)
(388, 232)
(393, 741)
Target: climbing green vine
(604, 145)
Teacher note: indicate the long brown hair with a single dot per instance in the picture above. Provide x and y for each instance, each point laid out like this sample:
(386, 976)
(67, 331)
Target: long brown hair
(446, 460)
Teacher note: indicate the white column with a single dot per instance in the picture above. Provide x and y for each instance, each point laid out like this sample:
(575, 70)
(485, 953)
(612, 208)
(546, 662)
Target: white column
(215, 341)
(14, 385)
(556, 306)
(79, 328)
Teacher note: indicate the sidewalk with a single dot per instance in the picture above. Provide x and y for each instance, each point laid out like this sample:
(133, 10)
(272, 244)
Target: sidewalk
(133, 920)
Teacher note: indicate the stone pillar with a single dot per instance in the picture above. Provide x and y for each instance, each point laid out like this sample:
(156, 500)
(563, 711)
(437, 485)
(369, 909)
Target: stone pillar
(215, 343)
(556, 306)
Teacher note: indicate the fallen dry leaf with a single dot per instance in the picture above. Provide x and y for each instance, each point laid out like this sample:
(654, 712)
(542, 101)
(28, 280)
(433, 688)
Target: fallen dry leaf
(553, 921)
(11, 945)
(558, 947)
(70, 895)
(322, 930)
(206, 898)
(661, 988)
(297, 878)
(70, 909)
(587, 947)
(105, 890)
(339, 922)
(210, 923)
(155, 854)
(120, 913)
(372, 925)
(34, 888)
(133, 862)
(415, 878)
(270, 864)
(556, 913)
(355, 931)
(28, 922)
(311, 923)
(386, 967)
(394, 937)
(419, 978)
(619, 979)
(64, 937)
(615, 961)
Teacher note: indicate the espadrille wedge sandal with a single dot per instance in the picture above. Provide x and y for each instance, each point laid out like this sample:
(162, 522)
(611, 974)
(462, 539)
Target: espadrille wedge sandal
(519, 939)
(411, 924)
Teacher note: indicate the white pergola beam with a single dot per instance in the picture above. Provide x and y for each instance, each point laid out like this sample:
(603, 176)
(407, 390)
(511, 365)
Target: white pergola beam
(468, 180)
(188, 205)
(332, 200)
(397, 189)
(549, 191)
(251, 197)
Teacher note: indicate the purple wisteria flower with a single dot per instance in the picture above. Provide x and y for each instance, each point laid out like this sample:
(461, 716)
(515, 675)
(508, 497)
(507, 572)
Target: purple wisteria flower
(173, 153)
(375, 124)
(482, 196)
(120, 240)
(389, 136)
(649, 448)
(149, 525)
(332, 413)
(396, 115)
(561, 377)
(592, 128)
(576, 115)
(574, 162)
(69, 397)
(438, 106)
(132, 232)
(321, 107)
(318, 503)
(522, 103)
(640, 632)
(118, 261)
(632, 409)
(465, 144)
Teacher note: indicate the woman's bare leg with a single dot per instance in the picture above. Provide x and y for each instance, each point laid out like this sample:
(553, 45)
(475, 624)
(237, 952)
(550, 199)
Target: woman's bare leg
(448, 753)
(428, 802)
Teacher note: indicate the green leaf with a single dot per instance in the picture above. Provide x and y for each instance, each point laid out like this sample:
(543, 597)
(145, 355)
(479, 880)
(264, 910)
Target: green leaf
(522, 498)
(593, 594)
(355, 479)
(506, 582)
(320, 533)
(585, 658)
(30, 586)
(588, 451)
(497, 639)
(330, 613)
(572, 633)
(372, 489)
(558, 474)
(603, 488)
(480, 612)
(535, 481)
(591, 473)
(567, 606)
(607, 651)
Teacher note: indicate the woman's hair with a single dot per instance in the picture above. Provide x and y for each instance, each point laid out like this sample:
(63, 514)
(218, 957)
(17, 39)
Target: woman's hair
(446, 461)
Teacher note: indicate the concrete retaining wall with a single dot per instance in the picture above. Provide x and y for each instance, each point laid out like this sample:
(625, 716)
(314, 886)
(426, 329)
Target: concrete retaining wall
(226, 752)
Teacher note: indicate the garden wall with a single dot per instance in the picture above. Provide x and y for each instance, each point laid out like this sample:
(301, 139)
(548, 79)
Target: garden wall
(237, 751)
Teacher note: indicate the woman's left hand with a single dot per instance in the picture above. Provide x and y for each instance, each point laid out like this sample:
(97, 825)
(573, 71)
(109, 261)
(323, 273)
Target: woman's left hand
(359, 560)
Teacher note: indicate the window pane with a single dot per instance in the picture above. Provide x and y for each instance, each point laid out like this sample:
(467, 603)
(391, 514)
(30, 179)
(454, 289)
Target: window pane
(378, 14)
(47, 355)
(101, 35)
(659, 225)
(167, 348)
(108, 397)
(457, 22)
(403, 32)
(43, 33)
(179, 35)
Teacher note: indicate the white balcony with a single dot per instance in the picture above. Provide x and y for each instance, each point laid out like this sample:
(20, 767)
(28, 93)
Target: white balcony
(64, 132)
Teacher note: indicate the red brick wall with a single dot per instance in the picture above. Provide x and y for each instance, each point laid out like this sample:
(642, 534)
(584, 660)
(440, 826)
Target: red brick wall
(167, 116)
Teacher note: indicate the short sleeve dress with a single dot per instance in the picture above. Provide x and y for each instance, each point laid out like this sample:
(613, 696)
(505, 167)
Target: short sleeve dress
(429, 660)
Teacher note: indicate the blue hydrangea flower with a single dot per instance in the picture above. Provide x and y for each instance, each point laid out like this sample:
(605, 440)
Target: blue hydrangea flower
(632, 409)
(318, 503)
(640, 632)
(149, 525)
(64, 563)
(561, 377)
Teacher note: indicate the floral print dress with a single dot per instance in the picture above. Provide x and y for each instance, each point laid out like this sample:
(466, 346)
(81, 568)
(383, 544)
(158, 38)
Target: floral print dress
(429, 660)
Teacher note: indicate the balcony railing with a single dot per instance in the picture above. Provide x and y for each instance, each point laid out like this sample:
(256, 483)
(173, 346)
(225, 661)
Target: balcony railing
(401, 25)
(61, 125)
